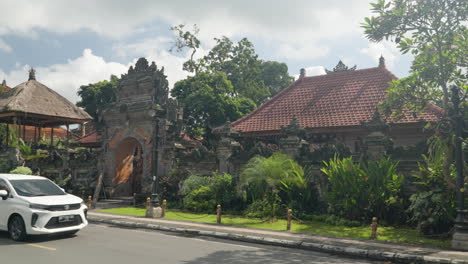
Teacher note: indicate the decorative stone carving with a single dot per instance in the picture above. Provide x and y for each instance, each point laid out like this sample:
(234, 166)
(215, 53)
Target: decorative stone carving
(226, 146)
(341, 67)
(293, 143)
(143, 118)
(376, 142)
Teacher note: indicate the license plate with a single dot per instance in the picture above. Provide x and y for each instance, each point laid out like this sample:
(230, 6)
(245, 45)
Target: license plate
(66, 218)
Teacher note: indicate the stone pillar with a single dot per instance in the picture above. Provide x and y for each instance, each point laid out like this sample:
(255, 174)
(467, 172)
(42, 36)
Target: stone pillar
(223, 154)
(225, 147)
(375, 143)
(292, 143)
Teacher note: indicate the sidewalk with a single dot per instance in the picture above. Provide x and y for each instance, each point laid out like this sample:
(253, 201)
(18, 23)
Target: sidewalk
(401, 253)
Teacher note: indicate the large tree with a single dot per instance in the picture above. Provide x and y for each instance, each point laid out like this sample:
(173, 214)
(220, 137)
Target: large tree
(209, 101)
(435, 32)
(250, 76)
(97, 96)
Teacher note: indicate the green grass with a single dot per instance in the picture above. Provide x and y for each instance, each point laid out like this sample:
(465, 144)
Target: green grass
(392, 234)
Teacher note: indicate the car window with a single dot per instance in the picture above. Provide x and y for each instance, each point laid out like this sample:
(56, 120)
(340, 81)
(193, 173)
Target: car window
(38, 187)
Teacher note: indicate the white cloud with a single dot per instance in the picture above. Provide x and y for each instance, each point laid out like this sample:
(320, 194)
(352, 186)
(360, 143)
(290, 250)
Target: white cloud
(299, 27)
(386, 49)
(4, 46)
(68, 77)
(157, 50)
(301, 52)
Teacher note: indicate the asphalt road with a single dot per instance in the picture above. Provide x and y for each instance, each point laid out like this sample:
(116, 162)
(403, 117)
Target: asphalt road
(102, 244)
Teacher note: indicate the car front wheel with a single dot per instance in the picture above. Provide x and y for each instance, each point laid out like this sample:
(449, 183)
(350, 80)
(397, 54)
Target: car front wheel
(17, 229)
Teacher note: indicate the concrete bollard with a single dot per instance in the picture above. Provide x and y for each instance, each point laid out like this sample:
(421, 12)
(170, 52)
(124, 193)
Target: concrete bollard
(148, 203)
(218, 214)
(288, 227)
(90, 202)
(374, 226)
(164, 207)
(134, 199)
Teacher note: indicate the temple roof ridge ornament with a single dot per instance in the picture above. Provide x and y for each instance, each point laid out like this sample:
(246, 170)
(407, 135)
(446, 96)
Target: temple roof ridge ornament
(376, 123)
(341, 67)
(293, 128)
(32, 74)
(381, 61)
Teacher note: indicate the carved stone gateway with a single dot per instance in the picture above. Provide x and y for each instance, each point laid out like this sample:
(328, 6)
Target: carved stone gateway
(139, 131)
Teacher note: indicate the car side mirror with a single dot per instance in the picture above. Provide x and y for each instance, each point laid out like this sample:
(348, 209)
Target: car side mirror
(4, 194)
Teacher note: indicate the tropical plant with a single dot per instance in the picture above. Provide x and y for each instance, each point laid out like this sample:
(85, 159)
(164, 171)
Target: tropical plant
(432, 207)
(361, 190)
(264, 178)
(202, 194)
(200, 200)
(22, 170)
(346, 195)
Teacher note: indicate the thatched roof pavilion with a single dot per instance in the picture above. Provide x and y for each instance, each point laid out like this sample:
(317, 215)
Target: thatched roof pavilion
(32, 103)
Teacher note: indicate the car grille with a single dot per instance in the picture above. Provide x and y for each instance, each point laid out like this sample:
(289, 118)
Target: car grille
(54, 222)
(64, 207)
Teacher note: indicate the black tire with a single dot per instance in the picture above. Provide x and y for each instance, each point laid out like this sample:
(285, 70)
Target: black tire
(16, 228)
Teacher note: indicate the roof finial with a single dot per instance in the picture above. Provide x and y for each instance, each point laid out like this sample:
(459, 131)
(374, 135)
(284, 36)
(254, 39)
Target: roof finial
(381, 61)
(302, 73)
(340, 67)
(32, 74)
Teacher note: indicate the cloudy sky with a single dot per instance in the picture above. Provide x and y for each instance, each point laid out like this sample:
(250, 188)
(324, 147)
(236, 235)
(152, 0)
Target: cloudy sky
(71, 43)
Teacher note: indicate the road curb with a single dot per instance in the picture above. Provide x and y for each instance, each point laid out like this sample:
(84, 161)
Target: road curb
(327, 248)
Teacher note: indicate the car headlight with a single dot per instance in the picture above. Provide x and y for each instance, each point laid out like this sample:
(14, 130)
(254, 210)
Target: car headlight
(39, 206)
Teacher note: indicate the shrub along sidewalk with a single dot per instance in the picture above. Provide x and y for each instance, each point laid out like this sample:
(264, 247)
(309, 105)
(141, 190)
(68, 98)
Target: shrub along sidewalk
(392, 234)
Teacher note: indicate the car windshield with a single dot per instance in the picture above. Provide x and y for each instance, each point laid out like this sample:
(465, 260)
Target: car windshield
(36, 188)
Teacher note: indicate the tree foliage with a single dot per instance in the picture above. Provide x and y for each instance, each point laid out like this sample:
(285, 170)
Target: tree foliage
(209, 102)
(435, 32)
(95, 97)
(250, 76)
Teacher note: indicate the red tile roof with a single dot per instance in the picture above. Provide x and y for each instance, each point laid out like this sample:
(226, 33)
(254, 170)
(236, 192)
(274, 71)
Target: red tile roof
(91, 138)
(337, 99)
(5, 88)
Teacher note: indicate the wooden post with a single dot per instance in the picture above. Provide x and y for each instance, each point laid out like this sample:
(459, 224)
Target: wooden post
(148, 203)
(24, 133)
(35, 134)
(218, 214)
(39, 133)
(97, 191)
(288, 226)
(7, 134)
(68, 134)
(134, 199)
(90, 202)
(51, 136)
(164, 207)
(374, 228)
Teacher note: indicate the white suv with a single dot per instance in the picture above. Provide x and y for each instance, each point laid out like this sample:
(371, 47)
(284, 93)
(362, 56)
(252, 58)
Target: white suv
(33, 205)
